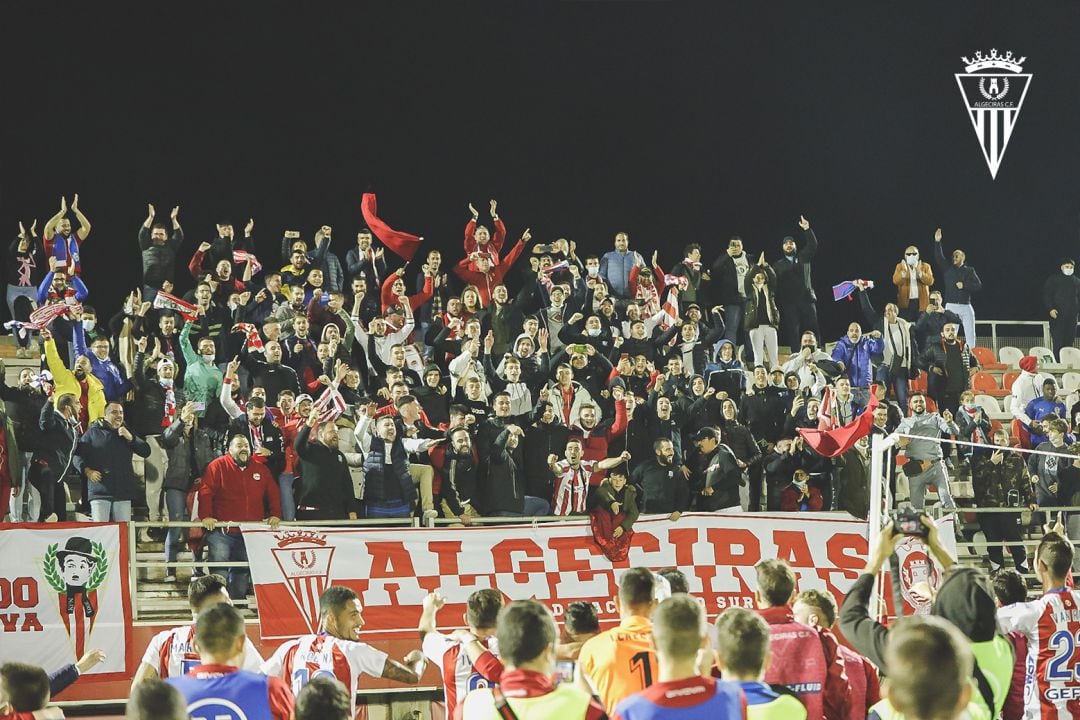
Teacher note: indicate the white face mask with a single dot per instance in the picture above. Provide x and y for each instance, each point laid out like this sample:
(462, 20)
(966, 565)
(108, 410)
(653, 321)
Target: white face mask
(1066, 271)
(89, 325)
(593, 332)
(593, 270)
(208, 357)
(912, 260)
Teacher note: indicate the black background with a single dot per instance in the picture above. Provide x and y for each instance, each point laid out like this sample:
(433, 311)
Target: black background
(678, 122)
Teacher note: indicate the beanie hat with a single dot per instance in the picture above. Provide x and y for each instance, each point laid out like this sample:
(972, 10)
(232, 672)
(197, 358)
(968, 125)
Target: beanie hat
(1028, 363)
(966, 600)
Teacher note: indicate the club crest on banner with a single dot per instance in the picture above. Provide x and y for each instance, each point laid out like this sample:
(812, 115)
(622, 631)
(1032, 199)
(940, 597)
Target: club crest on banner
(304, 558)
(75, 573)
(993, 88)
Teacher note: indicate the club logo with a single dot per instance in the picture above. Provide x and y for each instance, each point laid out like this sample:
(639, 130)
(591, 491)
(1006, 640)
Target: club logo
(304, 560)
(993, 88)
(76, 573)
(918, 577)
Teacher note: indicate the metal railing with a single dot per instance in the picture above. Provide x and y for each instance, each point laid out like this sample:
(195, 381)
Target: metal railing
(998, 339)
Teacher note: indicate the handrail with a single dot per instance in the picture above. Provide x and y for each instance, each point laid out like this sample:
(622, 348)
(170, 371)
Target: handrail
(1044, 324)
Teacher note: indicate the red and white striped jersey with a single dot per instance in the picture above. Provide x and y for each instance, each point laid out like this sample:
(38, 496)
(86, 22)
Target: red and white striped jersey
(459, 676)
(572, 487)
(308, 656)
(1052, 627)
(172, 653)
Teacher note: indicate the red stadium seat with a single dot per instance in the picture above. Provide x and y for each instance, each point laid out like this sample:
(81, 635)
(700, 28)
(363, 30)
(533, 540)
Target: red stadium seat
(983, 382)
(1008, 379)
(986, 358)
(918, 383)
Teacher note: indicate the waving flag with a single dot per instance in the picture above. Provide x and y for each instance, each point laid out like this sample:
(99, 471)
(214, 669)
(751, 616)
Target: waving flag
(251, 336)
(671, 312)
(330, 405)
(401, 243)
(43, 316)
(242, 256)
(546, 273)
(165, 301)
(847, 288)
(837, 441)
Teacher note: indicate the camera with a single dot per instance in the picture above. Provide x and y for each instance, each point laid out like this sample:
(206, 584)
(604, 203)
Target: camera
(908, 521)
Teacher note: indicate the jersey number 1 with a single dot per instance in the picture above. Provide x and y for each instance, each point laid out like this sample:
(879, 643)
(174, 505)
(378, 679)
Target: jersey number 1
(641, 663)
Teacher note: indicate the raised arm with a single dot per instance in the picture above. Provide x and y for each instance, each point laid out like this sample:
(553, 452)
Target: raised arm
(84, 224)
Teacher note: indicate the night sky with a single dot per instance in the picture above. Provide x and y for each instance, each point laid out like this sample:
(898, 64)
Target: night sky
(679, 122)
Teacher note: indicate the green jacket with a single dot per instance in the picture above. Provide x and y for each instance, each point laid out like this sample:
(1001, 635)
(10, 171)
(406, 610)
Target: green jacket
(202, 381)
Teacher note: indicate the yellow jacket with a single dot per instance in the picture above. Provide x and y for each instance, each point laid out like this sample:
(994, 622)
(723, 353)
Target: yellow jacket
(65, 382)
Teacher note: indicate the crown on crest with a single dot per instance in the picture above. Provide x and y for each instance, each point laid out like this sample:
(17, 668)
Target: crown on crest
(993, 61)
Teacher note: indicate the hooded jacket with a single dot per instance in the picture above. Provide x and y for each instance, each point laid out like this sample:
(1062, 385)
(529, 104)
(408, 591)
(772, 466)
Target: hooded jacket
(964, 599)
(856, 358)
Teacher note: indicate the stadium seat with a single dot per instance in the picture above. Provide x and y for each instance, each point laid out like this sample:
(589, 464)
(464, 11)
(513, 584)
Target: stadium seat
(1008, 379)
(918, 383)
(1007, 403)
(1044, 354)
(994, 426)
(1010, 355)
(1071, 356)
(989, 403)
(1070, 381)
(984, 382)
(986, 358)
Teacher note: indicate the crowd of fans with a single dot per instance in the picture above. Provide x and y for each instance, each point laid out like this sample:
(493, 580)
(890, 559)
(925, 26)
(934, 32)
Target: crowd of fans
(375, 381)
(521, 382)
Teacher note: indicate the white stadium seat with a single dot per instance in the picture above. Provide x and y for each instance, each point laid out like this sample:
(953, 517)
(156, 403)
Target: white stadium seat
(1010, 355)
(1071, 356)
(1044, 354)
(989, 403)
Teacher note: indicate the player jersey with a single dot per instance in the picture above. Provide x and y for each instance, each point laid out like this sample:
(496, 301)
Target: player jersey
(172, 653)
(459, 675)
(620, 661)
(572, 487)
(308, 656)
(767, 703)
(687, 699)
(223, 692)
(1051, 625)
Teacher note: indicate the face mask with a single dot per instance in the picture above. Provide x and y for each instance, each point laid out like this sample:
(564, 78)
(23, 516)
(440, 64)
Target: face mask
(593, 271)
(593, 332)
(912, 260)
(208, 357)
(166, 382)
(799, 484)
(89, 325)
(1066, 271)
(969, 406)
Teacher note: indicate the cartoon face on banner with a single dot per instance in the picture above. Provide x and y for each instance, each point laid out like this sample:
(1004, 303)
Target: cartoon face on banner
(75, 573)
(63, 592)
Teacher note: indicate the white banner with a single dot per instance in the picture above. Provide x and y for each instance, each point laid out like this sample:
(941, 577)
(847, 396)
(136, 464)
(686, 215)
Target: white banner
(558, 563)
(64, 591)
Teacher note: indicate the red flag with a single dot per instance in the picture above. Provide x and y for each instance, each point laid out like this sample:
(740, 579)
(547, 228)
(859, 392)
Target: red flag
(401, 243)
(836, 442)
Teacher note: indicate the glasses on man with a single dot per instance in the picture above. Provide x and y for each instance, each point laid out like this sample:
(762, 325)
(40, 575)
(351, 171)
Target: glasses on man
(912, 254)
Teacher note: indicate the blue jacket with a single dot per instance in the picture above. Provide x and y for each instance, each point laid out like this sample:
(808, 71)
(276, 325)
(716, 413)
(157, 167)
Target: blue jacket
(108, 372)
(101, 448)
(1040, 408)
(856, 358)
(615, 268)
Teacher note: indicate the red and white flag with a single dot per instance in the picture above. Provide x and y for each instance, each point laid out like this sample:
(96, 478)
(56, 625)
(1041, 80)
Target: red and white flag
(43, 316)
(330, 405)
(679, 281)
(165, 301)
(827, 412)
(546, 273)
(251, 336)
(670, 309)
(242, 256)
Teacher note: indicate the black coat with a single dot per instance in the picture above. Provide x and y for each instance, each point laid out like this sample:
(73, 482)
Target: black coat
(326, 480)
(1062, 293)
(271, 440)
(793, 286)
(56, 445)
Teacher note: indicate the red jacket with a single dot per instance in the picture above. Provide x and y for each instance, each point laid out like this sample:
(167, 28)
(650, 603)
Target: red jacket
(494, 246)
(594, 444)
(790, 499)
(834, 696)
(234, 493)
(386, 293)
(486, 282)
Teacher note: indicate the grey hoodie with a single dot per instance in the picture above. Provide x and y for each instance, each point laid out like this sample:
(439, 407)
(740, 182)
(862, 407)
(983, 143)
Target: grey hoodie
(929, 425)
